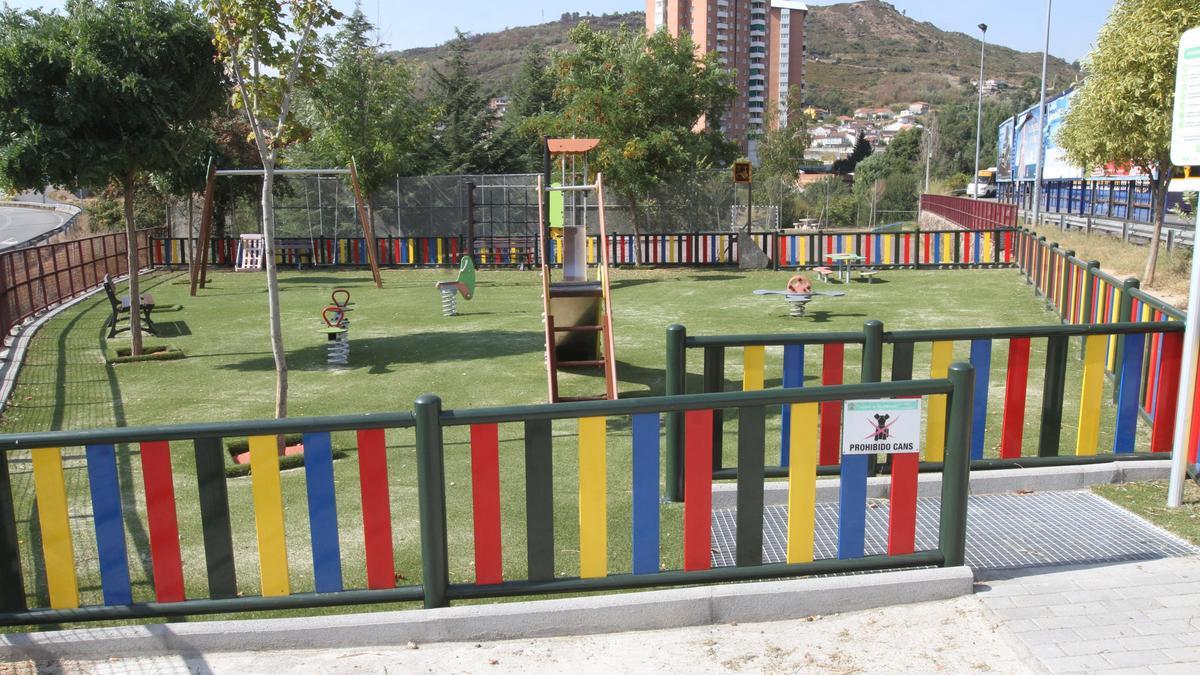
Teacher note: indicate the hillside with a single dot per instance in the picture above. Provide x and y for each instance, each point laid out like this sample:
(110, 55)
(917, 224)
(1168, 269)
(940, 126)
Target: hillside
(860, 53)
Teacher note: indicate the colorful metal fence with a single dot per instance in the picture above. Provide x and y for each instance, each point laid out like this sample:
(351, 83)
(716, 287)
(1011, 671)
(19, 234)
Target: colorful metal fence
(979, 248)
(52, 552)
(972, 214)
(1136, 377)
(950, 248)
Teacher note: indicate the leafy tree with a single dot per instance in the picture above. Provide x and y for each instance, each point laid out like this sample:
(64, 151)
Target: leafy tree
(862, 150)
(643, 97)
(364, 109)
(904, 152)
(780, 155)
(1122, 113)
(108, 92)
(463, 121)
(267, 47)
(532, 97)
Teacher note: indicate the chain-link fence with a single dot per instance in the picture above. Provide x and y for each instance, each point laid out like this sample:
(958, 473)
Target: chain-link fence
(505, 205)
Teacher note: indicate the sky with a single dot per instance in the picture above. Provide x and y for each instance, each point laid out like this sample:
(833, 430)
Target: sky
(1018, 24)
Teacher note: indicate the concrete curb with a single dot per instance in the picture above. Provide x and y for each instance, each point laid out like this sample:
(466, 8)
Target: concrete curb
(998, 481)
(650, 610)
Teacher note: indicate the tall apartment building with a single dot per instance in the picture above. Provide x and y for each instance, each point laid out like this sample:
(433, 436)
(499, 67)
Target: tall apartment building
(761, 41)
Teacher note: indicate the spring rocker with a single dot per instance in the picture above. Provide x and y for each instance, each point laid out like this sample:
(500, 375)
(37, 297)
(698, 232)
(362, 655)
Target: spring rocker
(337, 328)
(464, 284)
(577, 311)
(798, 294)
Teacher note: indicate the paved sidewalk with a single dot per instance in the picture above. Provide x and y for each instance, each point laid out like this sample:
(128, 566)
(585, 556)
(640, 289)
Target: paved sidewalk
(1142, 616)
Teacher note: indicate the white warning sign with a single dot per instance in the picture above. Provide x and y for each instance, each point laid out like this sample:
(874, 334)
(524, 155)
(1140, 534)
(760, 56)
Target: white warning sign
(883, 426)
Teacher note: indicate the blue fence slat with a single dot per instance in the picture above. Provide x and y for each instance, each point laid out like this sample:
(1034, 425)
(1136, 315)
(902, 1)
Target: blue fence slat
(645, 493)
(110, 528)
(322, 513)
(793, 376)
(981, 358)
(1127, 398)
(852, 506)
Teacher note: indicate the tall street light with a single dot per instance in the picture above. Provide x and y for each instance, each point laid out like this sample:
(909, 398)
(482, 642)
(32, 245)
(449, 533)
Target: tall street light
(979, 111)
(1041, 156)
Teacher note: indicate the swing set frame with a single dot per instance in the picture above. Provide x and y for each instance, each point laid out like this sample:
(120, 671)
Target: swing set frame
(200, 264)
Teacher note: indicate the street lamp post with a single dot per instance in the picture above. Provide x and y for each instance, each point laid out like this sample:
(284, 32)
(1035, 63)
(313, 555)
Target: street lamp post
(979, 111)
(1041, 156)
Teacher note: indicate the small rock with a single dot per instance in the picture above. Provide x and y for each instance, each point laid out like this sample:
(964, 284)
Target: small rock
(413, 645)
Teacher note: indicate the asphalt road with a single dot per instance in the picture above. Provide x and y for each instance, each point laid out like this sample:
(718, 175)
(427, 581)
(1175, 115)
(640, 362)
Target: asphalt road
(18, 224)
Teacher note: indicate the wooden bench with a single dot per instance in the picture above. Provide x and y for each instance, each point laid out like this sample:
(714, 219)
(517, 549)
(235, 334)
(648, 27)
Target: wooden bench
(120, 308)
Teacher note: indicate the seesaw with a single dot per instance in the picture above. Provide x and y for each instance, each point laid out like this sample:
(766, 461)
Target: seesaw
(798, 301)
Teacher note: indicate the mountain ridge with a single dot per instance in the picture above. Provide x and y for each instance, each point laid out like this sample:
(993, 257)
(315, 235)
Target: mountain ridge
(864, 53)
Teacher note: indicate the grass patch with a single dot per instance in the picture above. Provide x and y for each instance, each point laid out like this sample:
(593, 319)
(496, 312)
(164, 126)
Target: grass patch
(149, 353)
(1149, 500)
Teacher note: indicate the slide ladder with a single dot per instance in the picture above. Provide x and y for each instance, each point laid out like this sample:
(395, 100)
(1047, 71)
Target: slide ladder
(577, 314)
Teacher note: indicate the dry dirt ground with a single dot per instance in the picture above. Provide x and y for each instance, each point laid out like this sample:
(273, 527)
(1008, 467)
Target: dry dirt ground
(954, 636)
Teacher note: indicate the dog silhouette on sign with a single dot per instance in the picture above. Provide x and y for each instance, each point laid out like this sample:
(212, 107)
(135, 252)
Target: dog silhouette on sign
(882, 432)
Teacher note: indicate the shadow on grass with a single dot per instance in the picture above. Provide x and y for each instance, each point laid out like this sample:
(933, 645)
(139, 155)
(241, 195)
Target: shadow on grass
(170, 329)
(381, 353)
(715, 277)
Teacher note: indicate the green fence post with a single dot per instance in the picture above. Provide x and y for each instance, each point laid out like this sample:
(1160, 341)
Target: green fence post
(714, 381)
(431, 493)
(1124, 312)
(1052, 396)
(872, 369)
(1089, 298)
(956, 468)
(675, 384)
(12, 584)
(1051, 275)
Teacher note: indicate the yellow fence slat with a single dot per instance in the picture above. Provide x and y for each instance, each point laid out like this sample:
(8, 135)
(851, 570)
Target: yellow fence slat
(51, 490)
(802, 483)
(753, 364)
(593, 499)
(1089, 401)
(935, 430)
(268, 515)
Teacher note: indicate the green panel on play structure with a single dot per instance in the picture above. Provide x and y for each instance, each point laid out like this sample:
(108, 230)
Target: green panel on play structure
(557, 210)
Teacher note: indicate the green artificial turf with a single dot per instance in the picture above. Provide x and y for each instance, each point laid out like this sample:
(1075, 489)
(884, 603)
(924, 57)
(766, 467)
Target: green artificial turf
(491, 354)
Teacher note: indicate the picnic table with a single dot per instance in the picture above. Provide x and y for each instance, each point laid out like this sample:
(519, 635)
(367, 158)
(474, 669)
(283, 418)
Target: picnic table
(845, 263)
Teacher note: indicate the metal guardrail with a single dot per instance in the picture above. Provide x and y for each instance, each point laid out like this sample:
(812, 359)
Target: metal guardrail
(1173, 234)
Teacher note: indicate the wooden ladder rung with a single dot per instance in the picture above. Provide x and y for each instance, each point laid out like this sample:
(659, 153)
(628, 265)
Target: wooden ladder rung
(578, 329)
(586, 363)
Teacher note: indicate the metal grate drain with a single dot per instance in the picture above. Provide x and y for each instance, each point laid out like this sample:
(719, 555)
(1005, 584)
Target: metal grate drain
(1006, 531)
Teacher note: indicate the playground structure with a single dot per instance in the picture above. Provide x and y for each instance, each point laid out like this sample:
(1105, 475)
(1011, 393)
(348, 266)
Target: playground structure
(250, 254)
(577, 311)
(798, 302)
(464, 284)
(337, 328)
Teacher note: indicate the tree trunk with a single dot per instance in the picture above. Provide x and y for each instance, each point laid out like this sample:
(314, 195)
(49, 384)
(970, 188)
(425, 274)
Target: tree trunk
(135, 298)
(637, 228)
(276, 329)
(1159, 205)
